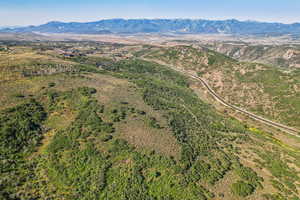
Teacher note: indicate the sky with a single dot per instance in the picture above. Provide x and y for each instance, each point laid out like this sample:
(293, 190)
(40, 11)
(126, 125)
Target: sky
(34, 12)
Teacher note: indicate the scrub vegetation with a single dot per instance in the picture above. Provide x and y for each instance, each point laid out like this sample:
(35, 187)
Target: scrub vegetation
(125, 128)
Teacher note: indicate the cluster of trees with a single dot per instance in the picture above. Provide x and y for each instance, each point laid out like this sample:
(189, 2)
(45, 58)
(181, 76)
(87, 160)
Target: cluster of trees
(20, 127)
(194, 124)
(71, 159)
(20, 132)
(250, 181)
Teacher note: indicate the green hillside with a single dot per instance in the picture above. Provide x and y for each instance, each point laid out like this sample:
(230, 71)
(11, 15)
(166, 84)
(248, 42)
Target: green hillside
(269, 91)
(99, 127)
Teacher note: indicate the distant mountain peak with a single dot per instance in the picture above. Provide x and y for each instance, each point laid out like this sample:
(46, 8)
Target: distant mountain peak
(180, 26)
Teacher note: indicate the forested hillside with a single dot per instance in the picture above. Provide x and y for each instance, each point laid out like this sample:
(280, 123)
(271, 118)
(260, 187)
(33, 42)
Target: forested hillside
(82, 120)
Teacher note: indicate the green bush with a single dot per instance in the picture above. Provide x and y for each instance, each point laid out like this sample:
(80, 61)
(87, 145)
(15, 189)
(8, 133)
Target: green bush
(153, 123)
(51, 84)
(86, 91)
(249, 175)
(20, 127)
(19, 95)
(242, 189)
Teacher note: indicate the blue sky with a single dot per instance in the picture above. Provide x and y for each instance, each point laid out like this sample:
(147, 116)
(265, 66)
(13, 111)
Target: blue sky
(26, 12)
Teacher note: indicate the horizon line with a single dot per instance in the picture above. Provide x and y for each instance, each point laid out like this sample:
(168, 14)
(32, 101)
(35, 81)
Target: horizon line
(125, 18)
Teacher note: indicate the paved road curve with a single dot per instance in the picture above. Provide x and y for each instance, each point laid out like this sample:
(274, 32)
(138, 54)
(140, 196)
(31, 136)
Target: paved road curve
(282, 127)
(289, 130)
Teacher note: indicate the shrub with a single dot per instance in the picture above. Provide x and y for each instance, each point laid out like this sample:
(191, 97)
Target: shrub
(106, 138)
(153, 123)
(248, 175)
(19, 95)
(86, 91)
(51, 84)
(141, 112)
(242, 189)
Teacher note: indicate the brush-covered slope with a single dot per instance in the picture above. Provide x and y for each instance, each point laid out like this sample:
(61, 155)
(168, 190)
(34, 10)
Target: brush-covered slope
(129, 129)
(266, 90)
(278, 55)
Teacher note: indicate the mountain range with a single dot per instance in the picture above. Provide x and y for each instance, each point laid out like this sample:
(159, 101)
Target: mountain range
(178, 26)
(8, 27)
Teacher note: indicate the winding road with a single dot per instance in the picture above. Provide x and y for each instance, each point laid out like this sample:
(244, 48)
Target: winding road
(289, 130)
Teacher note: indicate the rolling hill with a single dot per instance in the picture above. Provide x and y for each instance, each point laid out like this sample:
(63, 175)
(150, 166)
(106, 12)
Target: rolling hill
(88, 120)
